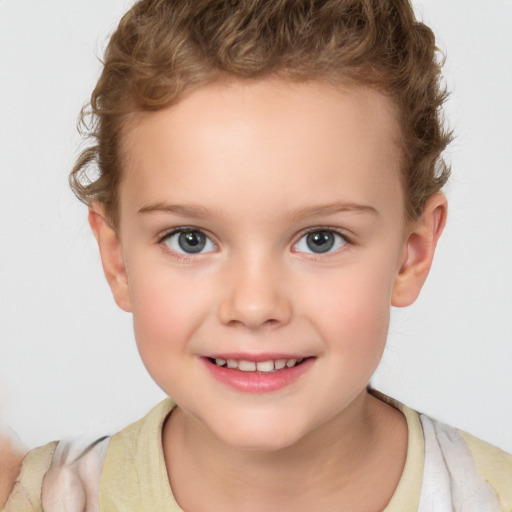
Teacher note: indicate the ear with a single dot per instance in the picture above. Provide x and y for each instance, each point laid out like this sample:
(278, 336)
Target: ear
(111, 254)
(419, 249)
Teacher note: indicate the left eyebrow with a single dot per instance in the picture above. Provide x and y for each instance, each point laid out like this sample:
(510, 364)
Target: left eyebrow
(332, 208)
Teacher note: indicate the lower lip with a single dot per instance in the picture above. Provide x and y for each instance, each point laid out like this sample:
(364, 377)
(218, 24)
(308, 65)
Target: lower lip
(258, 382)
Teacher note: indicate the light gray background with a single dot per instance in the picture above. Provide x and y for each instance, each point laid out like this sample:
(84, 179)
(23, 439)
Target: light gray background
(68, 362)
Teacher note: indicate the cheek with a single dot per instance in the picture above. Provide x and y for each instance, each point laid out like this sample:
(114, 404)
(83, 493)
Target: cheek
(351, 309)
(167, 309)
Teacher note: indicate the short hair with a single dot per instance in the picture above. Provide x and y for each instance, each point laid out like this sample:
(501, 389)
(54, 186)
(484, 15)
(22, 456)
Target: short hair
(165, 48)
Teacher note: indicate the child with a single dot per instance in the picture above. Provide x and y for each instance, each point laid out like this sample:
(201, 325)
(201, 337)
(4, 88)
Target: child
(270, 184)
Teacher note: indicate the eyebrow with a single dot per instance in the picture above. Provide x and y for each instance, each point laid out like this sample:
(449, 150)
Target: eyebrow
(332, 208)
(177, 209)
(200, 212)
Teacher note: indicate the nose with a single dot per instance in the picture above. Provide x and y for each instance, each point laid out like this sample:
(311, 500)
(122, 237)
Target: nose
(255, 296)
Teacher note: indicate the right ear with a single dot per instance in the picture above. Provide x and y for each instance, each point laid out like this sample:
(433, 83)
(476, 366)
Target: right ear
(111, 255)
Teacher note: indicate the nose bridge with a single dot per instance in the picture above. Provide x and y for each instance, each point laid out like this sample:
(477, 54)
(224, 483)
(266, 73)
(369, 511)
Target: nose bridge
(255, 292)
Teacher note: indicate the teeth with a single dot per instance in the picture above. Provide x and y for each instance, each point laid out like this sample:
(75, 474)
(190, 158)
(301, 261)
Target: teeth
(247, 366)
(280, 364)
(265, 366)
(262, 366)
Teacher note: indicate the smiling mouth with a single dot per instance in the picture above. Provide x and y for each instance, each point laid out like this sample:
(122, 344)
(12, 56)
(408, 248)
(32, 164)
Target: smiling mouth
(270, 366)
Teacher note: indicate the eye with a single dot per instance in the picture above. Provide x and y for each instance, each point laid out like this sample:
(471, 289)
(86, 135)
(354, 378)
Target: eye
(188, 241)
(320, 241)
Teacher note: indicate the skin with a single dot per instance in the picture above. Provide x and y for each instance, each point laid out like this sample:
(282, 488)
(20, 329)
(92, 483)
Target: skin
(255, 166)
(11, 457)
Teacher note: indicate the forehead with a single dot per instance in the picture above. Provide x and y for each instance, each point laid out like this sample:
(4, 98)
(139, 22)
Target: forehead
(263, 140)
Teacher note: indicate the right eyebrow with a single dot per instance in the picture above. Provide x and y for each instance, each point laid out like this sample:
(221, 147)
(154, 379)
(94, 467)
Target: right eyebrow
(177, 209)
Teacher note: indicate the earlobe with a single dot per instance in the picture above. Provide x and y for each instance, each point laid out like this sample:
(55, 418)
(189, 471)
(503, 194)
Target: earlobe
(111, 255)
(419, 251)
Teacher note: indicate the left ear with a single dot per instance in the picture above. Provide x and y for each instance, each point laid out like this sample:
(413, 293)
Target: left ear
(419, 251)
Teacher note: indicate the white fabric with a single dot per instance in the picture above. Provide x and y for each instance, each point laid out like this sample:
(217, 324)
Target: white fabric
(72, 483)
(451, 482)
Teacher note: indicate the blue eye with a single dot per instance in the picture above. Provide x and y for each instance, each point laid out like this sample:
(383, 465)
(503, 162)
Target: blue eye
(188, 241)
(320, 241)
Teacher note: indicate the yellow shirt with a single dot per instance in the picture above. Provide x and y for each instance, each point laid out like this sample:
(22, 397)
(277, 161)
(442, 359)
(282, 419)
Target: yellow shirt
(134, 476)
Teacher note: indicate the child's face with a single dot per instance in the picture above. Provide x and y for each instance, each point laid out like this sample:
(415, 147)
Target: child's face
(262, 222)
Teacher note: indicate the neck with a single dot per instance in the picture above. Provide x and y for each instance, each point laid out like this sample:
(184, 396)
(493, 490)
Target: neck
(332, 464)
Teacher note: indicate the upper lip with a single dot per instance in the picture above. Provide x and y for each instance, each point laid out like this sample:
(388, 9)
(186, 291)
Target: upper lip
(256, 358)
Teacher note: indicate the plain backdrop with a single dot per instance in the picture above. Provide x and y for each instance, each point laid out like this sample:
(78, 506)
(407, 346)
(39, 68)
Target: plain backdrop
(68, 361)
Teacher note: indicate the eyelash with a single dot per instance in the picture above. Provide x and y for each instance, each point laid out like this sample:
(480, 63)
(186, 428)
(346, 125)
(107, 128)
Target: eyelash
(318, 229)
(183, 256)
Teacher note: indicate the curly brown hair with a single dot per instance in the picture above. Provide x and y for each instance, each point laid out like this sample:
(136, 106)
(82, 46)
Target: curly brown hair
(164, 48)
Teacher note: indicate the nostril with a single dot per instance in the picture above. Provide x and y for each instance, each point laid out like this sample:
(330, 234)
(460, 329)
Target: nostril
(255, 301)
(269, 324)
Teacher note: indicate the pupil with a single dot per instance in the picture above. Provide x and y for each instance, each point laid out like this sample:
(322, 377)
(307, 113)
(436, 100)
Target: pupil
(320, 241)
(192, 241)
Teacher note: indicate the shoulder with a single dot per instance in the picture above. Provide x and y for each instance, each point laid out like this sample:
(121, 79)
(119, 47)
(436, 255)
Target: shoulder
(59, 476)
(75, 471)
(494, 466)
(127, 443)
(26, 494)
(134, 475)
(467, 469)
(450, 469)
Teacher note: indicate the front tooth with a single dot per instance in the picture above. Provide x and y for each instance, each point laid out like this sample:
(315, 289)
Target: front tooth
(220, 362)
(279, 364)
(247, 366)
(232, 363)
(291, 362)
(265, 366)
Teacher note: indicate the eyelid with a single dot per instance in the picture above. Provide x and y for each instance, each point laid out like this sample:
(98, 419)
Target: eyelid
(341, 233)
(167, 234)
(180, 229)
